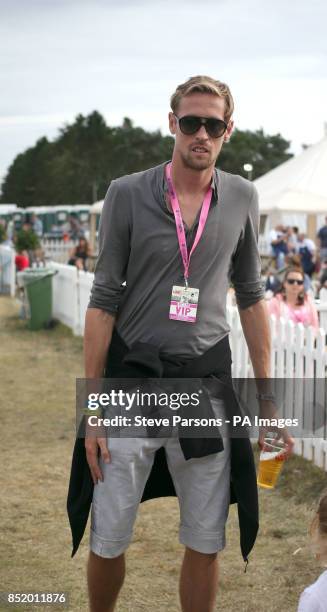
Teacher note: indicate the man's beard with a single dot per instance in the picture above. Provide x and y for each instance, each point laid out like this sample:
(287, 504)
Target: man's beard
(191, 162)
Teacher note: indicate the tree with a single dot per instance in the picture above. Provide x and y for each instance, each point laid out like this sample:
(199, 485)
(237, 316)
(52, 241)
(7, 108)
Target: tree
(3, 233)
(262, 151)
(24, 182)
(26, 240)
(87, 155)
(79, 164)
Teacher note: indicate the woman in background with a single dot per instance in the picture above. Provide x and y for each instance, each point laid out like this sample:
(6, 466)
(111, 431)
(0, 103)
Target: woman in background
(292, 302)
(79, 254)
(313, 598)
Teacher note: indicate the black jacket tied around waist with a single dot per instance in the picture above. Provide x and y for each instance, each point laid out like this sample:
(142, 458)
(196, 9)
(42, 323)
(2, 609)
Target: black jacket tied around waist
(143, 361)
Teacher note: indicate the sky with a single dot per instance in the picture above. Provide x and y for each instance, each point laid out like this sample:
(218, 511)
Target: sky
(124, 58)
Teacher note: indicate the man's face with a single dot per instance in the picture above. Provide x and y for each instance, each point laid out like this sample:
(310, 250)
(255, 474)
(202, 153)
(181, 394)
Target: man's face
(199, 151)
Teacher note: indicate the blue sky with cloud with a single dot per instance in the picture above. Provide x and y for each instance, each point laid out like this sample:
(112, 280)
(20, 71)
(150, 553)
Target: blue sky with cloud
(125, 59)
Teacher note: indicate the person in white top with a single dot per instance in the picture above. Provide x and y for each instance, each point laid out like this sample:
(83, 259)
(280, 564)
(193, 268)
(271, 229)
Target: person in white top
(306, 248)
(314, 597)
(278, 244)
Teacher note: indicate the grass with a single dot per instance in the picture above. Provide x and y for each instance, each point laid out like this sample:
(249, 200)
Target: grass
(38, 371)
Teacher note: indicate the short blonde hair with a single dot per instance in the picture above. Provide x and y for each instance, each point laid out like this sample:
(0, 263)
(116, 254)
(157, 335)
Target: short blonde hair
(203, 84)
(318, 530)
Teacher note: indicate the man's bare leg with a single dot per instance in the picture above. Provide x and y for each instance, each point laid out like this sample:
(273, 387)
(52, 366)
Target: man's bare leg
(105, 578)
(198, 581)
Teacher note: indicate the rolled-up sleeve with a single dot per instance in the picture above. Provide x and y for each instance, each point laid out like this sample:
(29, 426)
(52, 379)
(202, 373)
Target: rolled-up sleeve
(114, 249)
(246, 264)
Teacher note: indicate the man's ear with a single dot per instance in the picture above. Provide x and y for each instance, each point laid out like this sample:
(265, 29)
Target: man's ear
(229, 131)
(172, 123)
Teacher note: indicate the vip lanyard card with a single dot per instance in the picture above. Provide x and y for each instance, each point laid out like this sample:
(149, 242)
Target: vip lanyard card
(184, 304)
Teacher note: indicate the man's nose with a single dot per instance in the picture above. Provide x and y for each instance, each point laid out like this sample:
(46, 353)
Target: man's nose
(202, 132)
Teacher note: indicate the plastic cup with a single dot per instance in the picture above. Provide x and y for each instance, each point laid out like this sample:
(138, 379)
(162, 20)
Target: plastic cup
(271, 460)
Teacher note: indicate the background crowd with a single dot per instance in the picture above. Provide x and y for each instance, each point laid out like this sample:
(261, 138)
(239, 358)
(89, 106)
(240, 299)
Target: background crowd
(27, 242)
(296, 273)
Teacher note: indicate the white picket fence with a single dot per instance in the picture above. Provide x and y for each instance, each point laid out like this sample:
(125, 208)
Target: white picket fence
(71, 294)
(297, 353)
(57, 250)
(7, 270)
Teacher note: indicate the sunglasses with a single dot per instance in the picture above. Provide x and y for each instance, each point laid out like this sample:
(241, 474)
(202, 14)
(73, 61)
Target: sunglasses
(190, 124)
(292, 281)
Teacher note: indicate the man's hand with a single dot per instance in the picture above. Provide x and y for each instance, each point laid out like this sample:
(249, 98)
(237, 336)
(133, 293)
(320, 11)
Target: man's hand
(268, 410)
(99, 326)
(95, 441)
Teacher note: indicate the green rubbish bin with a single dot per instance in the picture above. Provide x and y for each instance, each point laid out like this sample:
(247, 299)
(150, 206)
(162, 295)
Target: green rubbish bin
(38, 286)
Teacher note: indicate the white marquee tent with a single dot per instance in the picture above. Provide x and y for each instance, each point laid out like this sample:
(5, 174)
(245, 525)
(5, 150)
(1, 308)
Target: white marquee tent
(298, 186)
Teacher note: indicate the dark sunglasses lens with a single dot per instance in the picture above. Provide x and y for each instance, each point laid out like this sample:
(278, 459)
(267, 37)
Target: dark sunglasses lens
(292, 281)
(215, 127)
(189, 125)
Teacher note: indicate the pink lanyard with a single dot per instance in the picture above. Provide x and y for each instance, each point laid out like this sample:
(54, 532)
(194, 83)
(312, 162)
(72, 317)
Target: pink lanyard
(180, 225)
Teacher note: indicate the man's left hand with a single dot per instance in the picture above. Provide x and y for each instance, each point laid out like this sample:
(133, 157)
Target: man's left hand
(268, 410)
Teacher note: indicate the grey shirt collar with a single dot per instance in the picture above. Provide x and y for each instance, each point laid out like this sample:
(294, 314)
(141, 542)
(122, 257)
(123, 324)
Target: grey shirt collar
(164, 186)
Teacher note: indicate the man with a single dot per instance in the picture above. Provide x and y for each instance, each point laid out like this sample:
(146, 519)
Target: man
(142, 242)
(306, 248)
(37, 225)
(323, 275)
(322, 235)
(279, 246)
(292, 238)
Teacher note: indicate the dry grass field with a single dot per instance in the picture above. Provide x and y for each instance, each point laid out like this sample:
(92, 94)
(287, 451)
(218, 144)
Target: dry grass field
(38, 371)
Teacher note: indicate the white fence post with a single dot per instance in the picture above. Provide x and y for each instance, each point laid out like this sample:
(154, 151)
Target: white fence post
(64, 295)
(323, 308)
(85, 281)
(7, 270)
(71, 294)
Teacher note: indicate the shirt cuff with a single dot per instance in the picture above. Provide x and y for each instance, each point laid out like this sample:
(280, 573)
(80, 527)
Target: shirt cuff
(249, 293)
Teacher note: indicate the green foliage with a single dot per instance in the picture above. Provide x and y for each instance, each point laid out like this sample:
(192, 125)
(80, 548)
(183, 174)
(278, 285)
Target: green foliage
(264, 152)
(26, 240)
(3, 234)
(78, 166)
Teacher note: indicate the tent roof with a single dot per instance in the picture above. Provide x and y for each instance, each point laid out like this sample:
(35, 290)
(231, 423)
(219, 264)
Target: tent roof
(96, 208)
(297, 185)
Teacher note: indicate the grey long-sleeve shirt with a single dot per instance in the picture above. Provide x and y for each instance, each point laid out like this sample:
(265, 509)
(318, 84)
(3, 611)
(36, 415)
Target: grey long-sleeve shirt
(138, 244)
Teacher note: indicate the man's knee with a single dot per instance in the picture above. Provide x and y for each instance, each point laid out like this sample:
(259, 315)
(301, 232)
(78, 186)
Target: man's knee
(99, 558)
(114, 566)
(200, 556)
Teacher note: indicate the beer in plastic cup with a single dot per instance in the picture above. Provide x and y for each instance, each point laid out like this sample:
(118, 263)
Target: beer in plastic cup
(271, 460)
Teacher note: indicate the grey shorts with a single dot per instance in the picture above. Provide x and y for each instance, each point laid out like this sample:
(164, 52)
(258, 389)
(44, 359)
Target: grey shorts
(202, 486)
